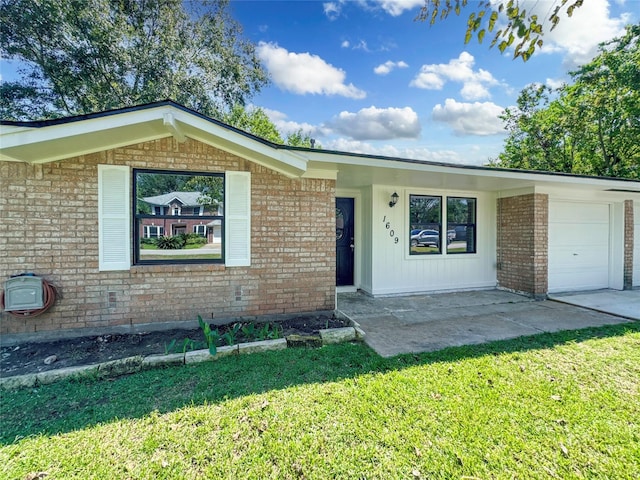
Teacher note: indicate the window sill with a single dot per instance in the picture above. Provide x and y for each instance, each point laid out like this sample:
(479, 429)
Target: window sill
(178, 268)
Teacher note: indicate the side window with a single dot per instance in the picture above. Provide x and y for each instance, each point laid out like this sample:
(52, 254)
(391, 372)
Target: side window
(179, 217)
(425, 221)
(461, 225)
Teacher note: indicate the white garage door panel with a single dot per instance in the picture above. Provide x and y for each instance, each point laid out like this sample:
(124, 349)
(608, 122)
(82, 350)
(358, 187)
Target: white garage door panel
(579, 213)
(578, 246)
(578, 237)
(636, 245)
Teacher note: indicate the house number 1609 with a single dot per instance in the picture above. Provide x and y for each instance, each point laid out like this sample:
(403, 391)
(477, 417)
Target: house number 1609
(392, 232)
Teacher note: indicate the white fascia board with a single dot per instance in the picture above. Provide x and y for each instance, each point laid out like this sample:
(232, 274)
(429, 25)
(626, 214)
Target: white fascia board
(58, 142)
(287, 162)
(319, 173)
(542, 178)
(82, 127)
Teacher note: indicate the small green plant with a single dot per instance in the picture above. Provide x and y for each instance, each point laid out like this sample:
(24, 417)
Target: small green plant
(276, 332)
(230, 335)
(211, 336)
(249, 330)
(169, 348)
(269, 331)
(187, 346)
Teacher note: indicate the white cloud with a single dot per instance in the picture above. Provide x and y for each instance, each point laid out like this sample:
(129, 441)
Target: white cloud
(416, 153)
(470, 118)
(361, 45)
(332, 10)
(388, 66)
(345, 44)
(474, 83)
(555, 82)
(377, 123)
(280, 120)
(578, 36)
(304, 73)
(398, 7)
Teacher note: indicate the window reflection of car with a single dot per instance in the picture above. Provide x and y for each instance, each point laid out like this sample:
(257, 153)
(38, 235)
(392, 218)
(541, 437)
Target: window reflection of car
(461, 232)
(451, 236)
(425, 238)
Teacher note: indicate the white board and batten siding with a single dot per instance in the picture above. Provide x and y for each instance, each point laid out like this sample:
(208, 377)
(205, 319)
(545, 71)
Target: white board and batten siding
(636, 244)
(395, 272)
(114, 218)
(579, 245)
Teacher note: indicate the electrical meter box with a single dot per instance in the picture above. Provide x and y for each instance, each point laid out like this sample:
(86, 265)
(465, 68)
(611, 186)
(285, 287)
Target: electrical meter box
(23, 293)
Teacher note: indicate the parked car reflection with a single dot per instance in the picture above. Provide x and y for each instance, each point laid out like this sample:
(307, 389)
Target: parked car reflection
(425, 238)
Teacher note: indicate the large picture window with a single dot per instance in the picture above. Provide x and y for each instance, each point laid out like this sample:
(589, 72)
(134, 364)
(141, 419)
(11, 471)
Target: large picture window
(461, 225)
(425, 220)
(178, 217)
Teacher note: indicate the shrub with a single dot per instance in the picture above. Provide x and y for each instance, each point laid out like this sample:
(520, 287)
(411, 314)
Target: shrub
(170, 243)
(193, 239)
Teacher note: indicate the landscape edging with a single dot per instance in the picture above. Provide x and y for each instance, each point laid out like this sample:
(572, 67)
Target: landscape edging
(137, 363)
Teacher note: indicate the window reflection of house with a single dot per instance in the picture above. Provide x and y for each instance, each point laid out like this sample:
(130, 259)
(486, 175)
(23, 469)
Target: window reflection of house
(182, 204)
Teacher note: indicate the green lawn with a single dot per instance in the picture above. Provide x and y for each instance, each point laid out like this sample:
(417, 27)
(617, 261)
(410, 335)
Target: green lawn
(194, 256)
(563, 405)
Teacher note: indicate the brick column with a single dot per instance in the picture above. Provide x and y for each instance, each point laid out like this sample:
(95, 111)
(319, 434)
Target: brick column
(628, 245)
(522, 244)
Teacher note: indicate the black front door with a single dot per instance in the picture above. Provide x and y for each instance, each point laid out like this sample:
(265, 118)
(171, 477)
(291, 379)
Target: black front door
(344, 241)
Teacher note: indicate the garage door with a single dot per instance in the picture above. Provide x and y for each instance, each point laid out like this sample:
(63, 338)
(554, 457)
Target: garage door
(636, 245)
(578, 246)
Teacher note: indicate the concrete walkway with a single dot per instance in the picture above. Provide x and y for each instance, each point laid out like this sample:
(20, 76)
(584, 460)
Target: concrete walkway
(422, 323)
(625, 303)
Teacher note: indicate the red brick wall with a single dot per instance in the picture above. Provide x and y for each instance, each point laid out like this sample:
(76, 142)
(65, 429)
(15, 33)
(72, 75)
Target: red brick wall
(628, 244)
(48, 221)
(522, 241)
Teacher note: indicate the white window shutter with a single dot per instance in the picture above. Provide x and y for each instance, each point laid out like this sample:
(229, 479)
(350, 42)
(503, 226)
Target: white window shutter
(114, 217)
(237, 218)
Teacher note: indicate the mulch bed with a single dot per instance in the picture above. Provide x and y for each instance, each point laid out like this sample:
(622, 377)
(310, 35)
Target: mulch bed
(30, 357)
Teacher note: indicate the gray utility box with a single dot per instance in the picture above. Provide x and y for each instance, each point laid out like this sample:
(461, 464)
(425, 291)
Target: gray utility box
(23, 293)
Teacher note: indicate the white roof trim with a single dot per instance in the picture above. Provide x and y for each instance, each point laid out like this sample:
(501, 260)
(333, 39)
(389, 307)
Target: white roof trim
(342, 162)
(107, 131)
(170, 123)
(66, 140)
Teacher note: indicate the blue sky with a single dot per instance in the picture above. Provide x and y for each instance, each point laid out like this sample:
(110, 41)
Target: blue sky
(363, 76)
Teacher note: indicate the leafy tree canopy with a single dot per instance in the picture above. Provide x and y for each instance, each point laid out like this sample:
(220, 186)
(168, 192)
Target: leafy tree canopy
(591, 126)
(255, 121)
(83, 56)
(523, 29)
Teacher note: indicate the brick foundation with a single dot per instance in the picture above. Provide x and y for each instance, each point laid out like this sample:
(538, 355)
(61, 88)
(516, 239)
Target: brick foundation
(522, 241)
(49, 218)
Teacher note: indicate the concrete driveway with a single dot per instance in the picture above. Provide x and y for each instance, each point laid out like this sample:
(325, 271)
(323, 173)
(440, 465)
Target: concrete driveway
(423, 323)
(624, 303)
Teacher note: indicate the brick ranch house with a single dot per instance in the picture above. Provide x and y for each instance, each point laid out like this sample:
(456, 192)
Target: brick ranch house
(295, 225)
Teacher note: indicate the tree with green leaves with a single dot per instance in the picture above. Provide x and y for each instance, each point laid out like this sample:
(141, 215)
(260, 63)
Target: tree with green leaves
(83, 56)
(256, 121)
(522, 28)
(591, 126)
